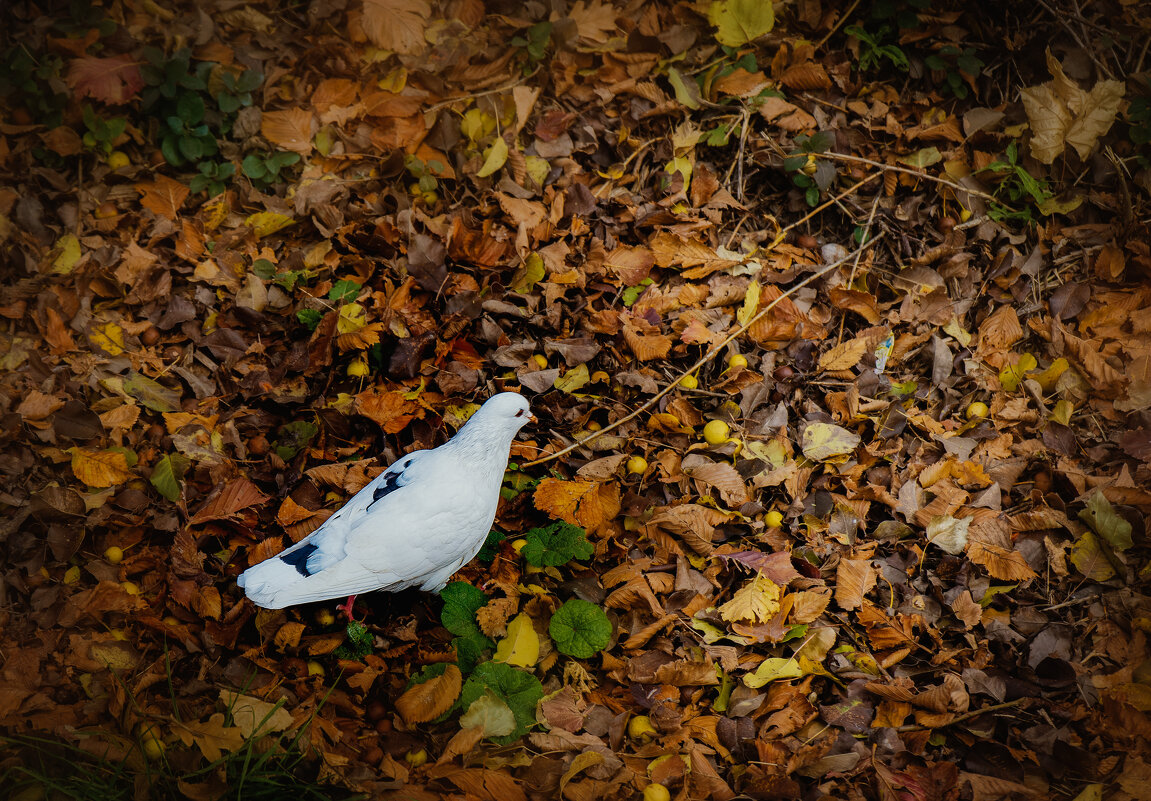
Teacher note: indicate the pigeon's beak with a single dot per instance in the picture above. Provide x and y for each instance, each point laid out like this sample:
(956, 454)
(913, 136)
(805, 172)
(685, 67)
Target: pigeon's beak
(533, 419)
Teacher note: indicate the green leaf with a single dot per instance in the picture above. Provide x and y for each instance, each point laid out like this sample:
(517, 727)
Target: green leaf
(359, 643)
(294, 437)
(529, 274)
(556, 544)
(167, 473)
(491, 712)
(461, 602)
(470, 650)
(1105, 522)
(309, 317)
(580, 629)
(344, 290)
(521, 691)
(152, 394)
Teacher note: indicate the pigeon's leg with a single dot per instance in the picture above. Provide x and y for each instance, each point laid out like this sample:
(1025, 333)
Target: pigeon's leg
(346, 608)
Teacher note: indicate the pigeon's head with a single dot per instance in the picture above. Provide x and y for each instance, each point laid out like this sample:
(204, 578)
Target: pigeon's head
(509, 408)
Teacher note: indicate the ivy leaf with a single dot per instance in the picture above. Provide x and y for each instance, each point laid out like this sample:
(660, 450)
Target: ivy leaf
(580, 629)
(461, 602)
(556, 544)
(521, 691)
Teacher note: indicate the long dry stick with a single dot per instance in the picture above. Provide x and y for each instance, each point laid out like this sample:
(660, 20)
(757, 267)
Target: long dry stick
(715, 349)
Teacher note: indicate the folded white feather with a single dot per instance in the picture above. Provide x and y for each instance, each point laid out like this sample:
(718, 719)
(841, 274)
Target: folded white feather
(414, 525)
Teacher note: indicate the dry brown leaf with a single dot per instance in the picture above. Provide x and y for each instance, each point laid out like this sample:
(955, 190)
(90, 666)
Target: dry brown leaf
(724, 478)
(163, 197)
(429, 700)
(844, 356)
(292, 129)
(1001, 563)
(100, 468)
(808, 605)
(229, 500)
(854, 578)
(396, 24)
(288, 635)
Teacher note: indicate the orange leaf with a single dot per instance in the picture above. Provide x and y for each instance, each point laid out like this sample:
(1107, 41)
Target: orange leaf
(100, 468)
(113, 80)
(396, 24)
(853, 579)
(231, 499)
(163, 197)
(575, 502)
(291, 129)
(431, 699)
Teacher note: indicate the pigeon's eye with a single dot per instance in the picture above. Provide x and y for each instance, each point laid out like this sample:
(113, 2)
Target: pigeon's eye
(520, 413)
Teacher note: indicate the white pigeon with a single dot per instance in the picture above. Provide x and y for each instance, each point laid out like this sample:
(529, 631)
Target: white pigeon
(414, 525)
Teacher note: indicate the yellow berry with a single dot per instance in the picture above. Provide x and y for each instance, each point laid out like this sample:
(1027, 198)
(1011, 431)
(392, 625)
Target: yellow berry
(736, 361)
(315, 668)
(977, 411)
(72, 575)
(170, 620)
(592, 425)
(115, 555)
(150, 742)
(715, 432)
(656, 792)
(130, 587)
(540, 360)
(325, 617)
(518, 544)
(637, 465)
(358, 369)
(640, 728)
(117, 159)
(773, 519)
(430, 198)
(689, 382)
(964, 215)
(417, 758)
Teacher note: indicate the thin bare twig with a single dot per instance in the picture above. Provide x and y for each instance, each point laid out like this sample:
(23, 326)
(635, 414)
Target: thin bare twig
(715, 349)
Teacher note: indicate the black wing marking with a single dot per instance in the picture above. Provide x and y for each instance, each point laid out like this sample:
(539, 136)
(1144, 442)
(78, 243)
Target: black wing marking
(391, 484)
(299, 558)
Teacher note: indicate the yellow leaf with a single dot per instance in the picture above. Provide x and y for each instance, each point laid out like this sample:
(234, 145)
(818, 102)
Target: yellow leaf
(757, 601)
(351, 319)
(573, 379)
(823, 442)
(844, 356)
(69, 247)
(109, 338)
(521, 647)
(494, 157)
(1047, 378)
(1012, 374)
(773, 669)
(100, 468)
(750, 304)
(738, 22)
(268, 222)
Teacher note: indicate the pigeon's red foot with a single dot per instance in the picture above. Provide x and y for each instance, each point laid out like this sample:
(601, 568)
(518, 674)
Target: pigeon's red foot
(346, 608)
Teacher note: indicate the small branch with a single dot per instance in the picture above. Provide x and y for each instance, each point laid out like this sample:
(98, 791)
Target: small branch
(974, 713)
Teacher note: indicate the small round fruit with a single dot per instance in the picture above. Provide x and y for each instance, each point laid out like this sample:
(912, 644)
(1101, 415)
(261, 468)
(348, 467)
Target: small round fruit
(150, 742)
(130, 587)
(689, 382)
(72, 575)
(415, 189)
(656, 792)
(416, 758)
(170, 620)
(89, 139)
(773, 519)
(640, 728)
(358, 369)
(114, 554)
(737, 361)
(376, 710)
(258, 445)
(105, 210)
(540, 360)
(715, 432)
(518, 544)
(118, 159)
(315, 668)
(325, 617)
(430, 198)
(977, 411)
(592, 425)
(637, 465)
(150, 336)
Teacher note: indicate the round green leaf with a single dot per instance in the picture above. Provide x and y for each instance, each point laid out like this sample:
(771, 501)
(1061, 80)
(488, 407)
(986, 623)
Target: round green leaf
(580, 629)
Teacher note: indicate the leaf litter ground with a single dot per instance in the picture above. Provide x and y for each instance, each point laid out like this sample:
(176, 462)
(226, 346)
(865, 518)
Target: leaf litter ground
(866, 294)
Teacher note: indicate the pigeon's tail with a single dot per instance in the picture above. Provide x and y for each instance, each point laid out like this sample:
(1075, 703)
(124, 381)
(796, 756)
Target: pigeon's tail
(265, 583)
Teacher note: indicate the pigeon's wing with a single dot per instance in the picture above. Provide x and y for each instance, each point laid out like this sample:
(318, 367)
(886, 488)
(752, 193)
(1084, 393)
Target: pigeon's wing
(318, 567)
